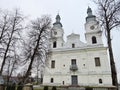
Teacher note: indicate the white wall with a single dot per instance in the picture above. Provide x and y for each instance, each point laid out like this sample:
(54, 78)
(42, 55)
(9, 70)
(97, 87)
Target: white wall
(87, 75)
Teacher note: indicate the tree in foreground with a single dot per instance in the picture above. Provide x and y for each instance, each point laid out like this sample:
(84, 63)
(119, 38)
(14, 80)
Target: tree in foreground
(54, 88)
(109, 15)
(45, 87)
(11, 26)
(36, 47)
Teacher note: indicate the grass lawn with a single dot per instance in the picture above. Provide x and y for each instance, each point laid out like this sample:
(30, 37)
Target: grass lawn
(37, 89)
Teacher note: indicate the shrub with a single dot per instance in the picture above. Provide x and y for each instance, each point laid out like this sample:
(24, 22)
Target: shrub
(54, 88)
(20, 86)
(45, 87)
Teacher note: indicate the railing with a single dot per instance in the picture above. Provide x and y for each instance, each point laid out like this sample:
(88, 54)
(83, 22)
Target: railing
(73, 67)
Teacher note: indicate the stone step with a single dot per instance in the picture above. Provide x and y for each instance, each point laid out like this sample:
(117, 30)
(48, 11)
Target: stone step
(76, 88)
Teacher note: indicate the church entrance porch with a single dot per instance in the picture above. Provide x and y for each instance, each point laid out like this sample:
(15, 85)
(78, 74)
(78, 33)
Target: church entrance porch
(74, 80)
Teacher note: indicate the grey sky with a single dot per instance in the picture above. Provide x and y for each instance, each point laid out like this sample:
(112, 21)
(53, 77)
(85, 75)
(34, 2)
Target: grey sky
(72, 12)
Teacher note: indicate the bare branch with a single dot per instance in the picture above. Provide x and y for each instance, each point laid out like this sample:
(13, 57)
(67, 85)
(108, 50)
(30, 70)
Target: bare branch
(36, 49)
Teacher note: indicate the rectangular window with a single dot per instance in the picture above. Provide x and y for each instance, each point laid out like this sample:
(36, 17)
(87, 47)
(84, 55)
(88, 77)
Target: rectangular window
(73, 62)
(52, 80)
(52, 64)
(54, 44)
(97, 61)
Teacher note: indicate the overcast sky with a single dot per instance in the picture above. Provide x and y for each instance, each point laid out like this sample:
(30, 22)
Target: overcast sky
(72, 12)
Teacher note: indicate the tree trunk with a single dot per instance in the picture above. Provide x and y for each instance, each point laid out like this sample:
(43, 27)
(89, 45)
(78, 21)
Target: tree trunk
(6, 51)
(8, 44)
(112, 63)
(5, 55)
(32, 58)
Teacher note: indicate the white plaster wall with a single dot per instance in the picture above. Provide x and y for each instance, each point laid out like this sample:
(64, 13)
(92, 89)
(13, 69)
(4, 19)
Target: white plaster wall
(87, 75)
(59, 30)
(88, 24)
(74, 38)
(89, 38)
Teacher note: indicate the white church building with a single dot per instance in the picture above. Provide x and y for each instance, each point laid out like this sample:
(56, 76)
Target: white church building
(77, 63)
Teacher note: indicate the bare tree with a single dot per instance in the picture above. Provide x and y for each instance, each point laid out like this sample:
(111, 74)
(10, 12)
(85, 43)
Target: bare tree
(109, 15)
(11, 29)
(36, 68)
(12, 64)
(36, 48)
(4, 25)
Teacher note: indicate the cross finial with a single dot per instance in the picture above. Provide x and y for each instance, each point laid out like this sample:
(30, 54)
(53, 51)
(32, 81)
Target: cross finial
(88, 4)
(58, 12)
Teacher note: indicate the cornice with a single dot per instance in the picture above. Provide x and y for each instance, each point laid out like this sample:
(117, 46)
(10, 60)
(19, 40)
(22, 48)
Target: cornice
(84, 48)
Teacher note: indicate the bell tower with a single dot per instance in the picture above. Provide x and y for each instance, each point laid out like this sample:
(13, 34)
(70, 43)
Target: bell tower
(56, 40)
(93, 33)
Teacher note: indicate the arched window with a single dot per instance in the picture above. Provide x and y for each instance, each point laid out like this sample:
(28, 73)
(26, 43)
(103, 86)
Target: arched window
(100, 81)
(73, 45)
(52, 80)
(94, 40)
(54, 44)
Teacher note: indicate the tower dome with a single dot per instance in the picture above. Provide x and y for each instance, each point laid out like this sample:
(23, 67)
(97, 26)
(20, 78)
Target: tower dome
(58, 23)
(90, 16)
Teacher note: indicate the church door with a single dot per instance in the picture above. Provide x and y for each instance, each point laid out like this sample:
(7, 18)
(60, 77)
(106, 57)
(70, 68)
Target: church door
(74, 80)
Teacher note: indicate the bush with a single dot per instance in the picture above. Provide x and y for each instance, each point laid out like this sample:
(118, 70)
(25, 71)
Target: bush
(54, 88)
(13, 86)
(45, 87)
(8, 87)
(89, 88)
(20, 86)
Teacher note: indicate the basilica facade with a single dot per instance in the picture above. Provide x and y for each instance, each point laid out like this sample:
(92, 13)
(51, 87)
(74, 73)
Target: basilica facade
(74, 62)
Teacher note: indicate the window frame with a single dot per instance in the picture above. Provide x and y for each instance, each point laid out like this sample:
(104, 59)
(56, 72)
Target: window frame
(52, 80)
(100, 81)
(73, 45)
(54, 44)
(97, 61)
(94, 40)
(73, 62)
(53, 64)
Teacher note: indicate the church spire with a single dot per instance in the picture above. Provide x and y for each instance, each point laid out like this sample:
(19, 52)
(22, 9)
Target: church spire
(90, 16)
(89, 11)
(58, 20)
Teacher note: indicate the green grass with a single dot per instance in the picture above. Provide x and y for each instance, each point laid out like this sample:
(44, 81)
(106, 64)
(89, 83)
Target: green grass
(37, 89)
